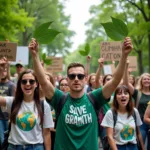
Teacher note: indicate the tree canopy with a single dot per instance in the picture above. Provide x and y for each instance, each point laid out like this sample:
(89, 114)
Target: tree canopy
(13, 20)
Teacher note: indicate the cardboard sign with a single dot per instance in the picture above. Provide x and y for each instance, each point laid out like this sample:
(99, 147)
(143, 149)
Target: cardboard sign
(56, 66)
(111, 50)
(8, 50)
(133, 63)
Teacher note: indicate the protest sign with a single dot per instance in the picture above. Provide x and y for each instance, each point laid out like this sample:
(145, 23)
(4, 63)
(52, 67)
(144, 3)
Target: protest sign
(56, 66)
(109, 69)
(111, 50)
(133, 63)
(8, 50)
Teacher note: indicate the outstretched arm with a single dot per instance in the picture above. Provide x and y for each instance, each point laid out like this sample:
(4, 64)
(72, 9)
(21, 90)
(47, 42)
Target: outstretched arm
(110, 86)
(98, 72)
(46, 85)
(87, 68)
(126, 79)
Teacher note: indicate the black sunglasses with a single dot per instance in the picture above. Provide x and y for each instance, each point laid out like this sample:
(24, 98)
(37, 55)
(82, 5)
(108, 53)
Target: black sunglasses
(24, 82)
(73, 76)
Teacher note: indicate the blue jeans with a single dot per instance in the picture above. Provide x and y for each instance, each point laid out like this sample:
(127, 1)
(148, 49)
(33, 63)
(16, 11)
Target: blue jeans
(26, 147)
(144, 131)
(127, 147)
(3, 128)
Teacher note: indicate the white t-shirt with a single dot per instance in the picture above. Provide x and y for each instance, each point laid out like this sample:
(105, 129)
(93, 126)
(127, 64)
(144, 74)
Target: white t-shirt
(125, 129)
(27, 129)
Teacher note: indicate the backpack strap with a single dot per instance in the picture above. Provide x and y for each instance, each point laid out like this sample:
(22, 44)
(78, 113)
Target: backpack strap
(93, 101)
(134, 116)
(114, 116)
(60, 106)
(138, 99)
(42, 105)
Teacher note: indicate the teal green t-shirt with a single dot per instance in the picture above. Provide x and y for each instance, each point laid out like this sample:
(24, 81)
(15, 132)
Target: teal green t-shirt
(77, 123)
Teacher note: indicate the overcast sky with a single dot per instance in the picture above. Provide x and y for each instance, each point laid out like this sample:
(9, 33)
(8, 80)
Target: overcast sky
(79, 11)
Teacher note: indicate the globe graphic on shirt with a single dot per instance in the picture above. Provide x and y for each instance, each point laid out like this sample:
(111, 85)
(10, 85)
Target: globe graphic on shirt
(127, 133)
(26, 121)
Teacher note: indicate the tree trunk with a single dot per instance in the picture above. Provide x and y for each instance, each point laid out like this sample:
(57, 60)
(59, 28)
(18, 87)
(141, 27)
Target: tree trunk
(140, 62)
(149, 51)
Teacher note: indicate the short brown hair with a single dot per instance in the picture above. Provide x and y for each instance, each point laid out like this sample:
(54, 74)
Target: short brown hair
(129, 106)
(51, 78)
(75, 64)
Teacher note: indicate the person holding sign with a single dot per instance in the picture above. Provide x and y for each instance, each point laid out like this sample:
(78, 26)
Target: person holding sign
(77, 123)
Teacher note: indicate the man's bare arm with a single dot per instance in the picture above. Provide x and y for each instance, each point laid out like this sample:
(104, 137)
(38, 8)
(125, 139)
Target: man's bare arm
(46, 85)
(110, 86)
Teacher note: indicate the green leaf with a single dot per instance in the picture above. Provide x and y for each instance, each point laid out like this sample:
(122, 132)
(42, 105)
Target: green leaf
(44, 35)
(86, 51)
(121, 26)
(87, 48)
(83, 52)
(48, 61)
(43, 56)
(116, 30)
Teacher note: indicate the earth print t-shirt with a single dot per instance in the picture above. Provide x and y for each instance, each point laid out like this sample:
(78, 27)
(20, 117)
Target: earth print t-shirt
(27, 129)
(125, 129)
(77, 126)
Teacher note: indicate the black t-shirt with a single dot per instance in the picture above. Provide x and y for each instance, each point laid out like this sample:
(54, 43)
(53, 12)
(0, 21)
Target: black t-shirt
(144, 99)
(6, 89)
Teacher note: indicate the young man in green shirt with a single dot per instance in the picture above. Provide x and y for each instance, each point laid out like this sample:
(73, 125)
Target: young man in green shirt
(77, 124)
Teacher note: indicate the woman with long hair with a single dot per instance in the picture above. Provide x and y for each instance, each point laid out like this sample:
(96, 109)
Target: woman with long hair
(123, 134)
(30, 124)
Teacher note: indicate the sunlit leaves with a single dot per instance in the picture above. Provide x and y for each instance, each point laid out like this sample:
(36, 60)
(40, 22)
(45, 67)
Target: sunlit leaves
(116, 30)
(86, 51)
(46, 61)
(44, 35)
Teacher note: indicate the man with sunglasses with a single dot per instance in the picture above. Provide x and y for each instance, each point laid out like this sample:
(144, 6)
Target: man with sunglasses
(77, 123)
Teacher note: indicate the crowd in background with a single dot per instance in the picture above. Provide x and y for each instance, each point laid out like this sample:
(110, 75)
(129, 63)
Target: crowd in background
(30, 104)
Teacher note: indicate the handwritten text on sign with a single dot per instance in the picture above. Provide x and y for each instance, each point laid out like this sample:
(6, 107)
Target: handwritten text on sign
(111, 50)
(56, 66)
(8, 50)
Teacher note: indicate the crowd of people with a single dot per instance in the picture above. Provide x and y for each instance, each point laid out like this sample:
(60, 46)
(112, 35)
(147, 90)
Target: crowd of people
(33, 100)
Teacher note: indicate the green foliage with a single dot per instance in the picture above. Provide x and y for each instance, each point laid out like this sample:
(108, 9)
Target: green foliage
(116, 30)
(134, 13)
(86, 50)
(46, 61)
(13, 20)
(44, 35)
(44, 11)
